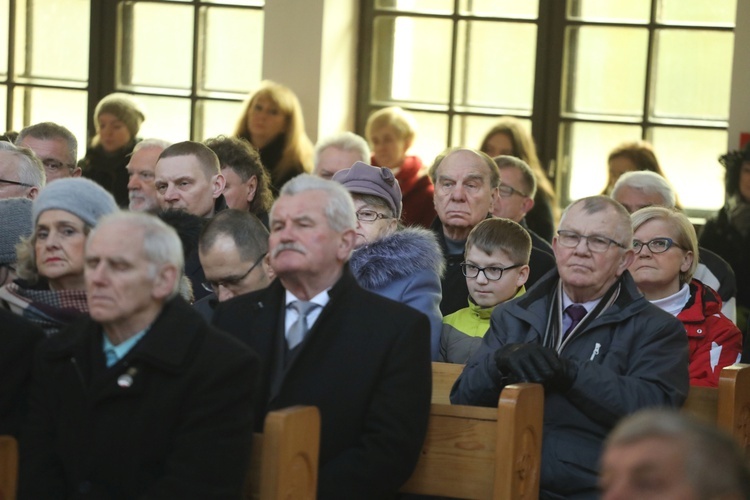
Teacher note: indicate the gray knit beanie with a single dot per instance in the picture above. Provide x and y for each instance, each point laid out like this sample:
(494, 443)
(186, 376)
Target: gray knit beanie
(124, 108)
(16, 216)
(83, 198)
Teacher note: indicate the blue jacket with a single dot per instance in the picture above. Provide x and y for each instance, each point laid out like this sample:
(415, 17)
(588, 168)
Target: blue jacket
(632, 356)
(405, 266)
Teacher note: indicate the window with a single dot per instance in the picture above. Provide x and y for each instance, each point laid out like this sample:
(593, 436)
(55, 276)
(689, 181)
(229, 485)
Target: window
(189, 63)
(586, 76)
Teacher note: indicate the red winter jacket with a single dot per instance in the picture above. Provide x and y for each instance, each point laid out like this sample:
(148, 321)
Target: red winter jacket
(715, 342)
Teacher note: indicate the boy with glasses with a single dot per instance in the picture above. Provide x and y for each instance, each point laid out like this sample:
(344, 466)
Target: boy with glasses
(496, 267)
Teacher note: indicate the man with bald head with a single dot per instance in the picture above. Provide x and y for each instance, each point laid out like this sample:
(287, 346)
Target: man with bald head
(189, 178)
(466, 190)
(585, 332)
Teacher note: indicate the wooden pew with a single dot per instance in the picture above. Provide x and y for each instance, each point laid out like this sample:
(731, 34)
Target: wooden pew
(473, 452)
(727, 406)
(443, 377)
(283, 463)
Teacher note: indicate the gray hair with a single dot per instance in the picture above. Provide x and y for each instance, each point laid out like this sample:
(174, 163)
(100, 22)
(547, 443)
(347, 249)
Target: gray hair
(30, 168)
(492, 171)
(714, 464)
(151, 143)
(600, 203)
(345, 141)
(48, 130)
(527, 175)
(340, 208)
(161, 245)
(649, 183)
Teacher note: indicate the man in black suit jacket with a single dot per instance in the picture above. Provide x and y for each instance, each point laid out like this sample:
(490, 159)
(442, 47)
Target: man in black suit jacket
(364, 360)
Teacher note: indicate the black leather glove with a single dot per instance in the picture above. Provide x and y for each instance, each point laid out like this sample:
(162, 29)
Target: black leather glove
(563, 379)
(528, 363)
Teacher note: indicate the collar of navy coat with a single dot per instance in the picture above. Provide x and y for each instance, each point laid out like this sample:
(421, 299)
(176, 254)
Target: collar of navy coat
(158, 348)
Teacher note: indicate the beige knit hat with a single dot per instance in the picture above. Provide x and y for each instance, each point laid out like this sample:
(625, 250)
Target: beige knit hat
(124, 108)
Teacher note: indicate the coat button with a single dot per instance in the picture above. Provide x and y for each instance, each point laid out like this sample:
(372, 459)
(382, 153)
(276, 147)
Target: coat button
(85, 487)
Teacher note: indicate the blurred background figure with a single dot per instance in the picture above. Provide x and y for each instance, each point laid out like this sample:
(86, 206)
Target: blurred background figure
(667, 455)
(339, 151)
(630, 157)
(21, 172)
(117, 118)
(390, 132)
(403, 264)
(666, 256)
(728, 232)
(509, 137)
(55, 146)
(50, 290)
(271, 120)
(16, 216)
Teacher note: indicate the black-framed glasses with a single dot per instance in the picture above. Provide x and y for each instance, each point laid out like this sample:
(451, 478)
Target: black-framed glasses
(15, 183)
(595, 243)
(230, 281)
(657, 245)
(366, 215)
(492, 273)
(507, 191)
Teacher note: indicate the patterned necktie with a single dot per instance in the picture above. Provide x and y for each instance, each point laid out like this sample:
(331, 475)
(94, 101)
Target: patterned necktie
(299, 328)
(576, 312)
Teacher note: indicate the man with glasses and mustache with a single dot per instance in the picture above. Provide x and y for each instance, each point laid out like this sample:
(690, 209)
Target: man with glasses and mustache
(232, 249)
(55, 146)
(323, 340)
(21, 173)
(600, 349)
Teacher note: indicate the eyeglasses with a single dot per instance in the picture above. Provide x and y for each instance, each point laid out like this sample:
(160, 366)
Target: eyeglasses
(15, 183)
(230, 282)
(657, 245)
(595, 243)
(365, 215)
(507, 191)
(54, 165)
(491, 273)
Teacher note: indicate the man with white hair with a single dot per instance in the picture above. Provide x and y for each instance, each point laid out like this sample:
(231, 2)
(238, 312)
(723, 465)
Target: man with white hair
(142, 175)
(21, 172)
(339, 151)
(636, 190)
(143, 399)
(362, 359)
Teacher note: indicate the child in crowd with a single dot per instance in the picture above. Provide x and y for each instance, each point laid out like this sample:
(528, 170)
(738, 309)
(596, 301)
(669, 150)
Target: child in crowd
(496, 266)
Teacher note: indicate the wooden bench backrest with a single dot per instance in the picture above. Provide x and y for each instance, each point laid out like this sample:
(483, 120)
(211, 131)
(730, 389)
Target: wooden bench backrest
(443, 377)
(284, 461)
(8, 467)
(475, 453)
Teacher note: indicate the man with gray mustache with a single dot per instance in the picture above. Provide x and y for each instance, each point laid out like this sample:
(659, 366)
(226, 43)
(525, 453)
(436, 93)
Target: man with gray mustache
(362, 359)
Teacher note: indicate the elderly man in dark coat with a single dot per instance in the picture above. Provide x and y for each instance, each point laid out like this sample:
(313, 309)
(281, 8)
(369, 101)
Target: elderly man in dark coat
(142, 400)
(362, 359)
(599, 347)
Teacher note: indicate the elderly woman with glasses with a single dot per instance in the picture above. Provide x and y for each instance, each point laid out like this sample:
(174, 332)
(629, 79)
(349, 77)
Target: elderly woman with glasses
(666, 256)
(403, 264)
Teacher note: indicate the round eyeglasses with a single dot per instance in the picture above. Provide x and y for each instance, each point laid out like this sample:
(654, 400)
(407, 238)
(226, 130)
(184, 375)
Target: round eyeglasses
(657, 245)
(492, 273)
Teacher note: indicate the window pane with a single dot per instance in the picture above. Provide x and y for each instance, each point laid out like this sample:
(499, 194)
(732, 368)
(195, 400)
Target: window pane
(527, 9)
(689, 158)
(217, 118)
(228, 65)
(468, 131)
(586, 147)
(496, 65)
(693, 74)
(167, 118)
(4, 27)
(432, 6)
(65, 107)
(431, 137)
(636, 11)
(249, 3)
(606, 71)
(3, 99)
(56, 43)
(156, 47)
(414, 55)
(701, 12)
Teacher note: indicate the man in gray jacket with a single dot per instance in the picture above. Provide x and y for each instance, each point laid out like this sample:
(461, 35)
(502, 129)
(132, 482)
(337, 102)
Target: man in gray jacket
(600, 349)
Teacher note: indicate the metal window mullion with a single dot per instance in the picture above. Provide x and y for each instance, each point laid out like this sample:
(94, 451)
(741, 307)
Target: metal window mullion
(452, 77)
(11, 64)
(197, 60)
(650, 58)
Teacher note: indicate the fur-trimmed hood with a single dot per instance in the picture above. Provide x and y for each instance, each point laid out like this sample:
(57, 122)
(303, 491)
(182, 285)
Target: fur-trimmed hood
(396, 256)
